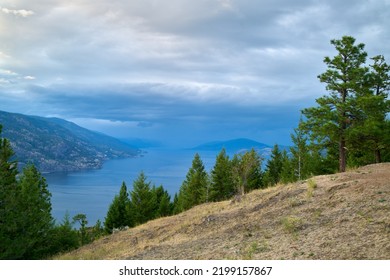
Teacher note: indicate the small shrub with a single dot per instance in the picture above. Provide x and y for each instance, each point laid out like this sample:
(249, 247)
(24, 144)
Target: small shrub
(254, 248)
(311, 186)
(292, 224)
(295, 201)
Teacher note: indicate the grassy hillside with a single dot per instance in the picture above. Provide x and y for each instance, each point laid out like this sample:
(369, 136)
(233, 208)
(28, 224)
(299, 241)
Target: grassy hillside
(341, 216)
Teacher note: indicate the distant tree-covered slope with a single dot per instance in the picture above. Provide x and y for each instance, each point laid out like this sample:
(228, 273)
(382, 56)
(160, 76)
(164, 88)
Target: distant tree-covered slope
(54, 144)
(238, 146)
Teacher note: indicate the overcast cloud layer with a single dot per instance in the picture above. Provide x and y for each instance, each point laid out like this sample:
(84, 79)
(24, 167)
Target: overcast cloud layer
(179, 71)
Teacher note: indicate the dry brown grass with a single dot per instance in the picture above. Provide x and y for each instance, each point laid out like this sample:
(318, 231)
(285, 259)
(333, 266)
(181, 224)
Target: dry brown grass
(345, 216)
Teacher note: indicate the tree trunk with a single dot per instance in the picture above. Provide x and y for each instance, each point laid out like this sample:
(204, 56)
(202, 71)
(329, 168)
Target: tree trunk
(342, 155)
(378, 157)
(342, 144)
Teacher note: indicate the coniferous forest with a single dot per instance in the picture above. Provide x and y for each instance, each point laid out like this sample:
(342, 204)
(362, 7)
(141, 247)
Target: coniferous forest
(348, 127)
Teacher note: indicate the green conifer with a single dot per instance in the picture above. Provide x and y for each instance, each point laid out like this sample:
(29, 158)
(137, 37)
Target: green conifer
(194, 189)
(274, 167)
(119, 214)
(221, 180)
(35, 209)
(143, 200)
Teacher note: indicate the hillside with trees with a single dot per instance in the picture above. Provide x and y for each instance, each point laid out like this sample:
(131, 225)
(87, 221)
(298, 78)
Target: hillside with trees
(53, 144)
(251, 209)
(348, 128)
(328, 217)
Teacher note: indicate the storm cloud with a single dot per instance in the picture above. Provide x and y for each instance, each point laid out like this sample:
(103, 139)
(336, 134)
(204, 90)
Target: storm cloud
(179, 70)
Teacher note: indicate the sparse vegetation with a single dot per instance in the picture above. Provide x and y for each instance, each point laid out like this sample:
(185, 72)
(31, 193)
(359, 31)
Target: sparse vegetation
(311, 186)
(295, 201)
(265, 226)
(291, 224)
(250, 251)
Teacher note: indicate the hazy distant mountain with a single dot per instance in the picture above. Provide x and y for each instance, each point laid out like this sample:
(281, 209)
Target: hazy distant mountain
(54, 144)
(233, 146)
(239, 145)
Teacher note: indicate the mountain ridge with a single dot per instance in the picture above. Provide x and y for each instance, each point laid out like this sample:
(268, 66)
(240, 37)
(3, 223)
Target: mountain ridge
(54, 144)
(232, 145)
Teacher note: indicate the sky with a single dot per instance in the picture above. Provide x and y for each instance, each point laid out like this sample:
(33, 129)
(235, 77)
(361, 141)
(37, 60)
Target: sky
(180, 72)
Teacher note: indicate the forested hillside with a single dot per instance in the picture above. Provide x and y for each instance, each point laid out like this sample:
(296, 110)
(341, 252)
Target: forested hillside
(54, 144)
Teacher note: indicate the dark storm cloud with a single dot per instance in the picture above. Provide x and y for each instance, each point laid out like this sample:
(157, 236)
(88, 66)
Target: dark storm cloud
(226, 68)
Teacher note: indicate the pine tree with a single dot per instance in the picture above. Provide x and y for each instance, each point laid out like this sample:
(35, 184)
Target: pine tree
(255, 178)
(176, 207)
(118, 214)
(222, 181)
(274, 167)
(194, 189)
(143, 200)
(163, 202)
(8, 189)
(330, 122)
(64, 237)
(27, 228)
(288, 173)
(35, 219)
(368, 135)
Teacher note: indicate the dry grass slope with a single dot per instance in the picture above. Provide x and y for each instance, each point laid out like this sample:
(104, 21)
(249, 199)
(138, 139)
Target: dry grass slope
(340, 216)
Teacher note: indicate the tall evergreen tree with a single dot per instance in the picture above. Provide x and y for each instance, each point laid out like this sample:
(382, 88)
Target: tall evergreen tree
(274, 167)
(194, 189)
(330, 122)
(368, 135)
(289, 173)
(26, 221)
(8, 188)
(27, 228)
(222, 181)
(163, 205)
(34, 207)
(118, 214)
(143, 200)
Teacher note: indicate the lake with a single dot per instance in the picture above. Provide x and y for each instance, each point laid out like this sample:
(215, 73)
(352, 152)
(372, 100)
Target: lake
(91, 192)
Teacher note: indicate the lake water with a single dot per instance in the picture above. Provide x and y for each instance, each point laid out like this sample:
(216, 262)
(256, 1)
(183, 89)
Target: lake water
(91, 192)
